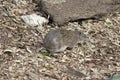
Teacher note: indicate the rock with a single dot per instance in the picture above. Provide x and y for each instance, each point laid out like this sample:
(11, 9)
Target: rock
(62, 11)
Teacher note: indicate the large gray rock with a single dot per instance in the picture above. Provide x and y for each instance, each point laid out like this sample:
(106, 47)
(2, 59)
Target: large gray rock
(62, 11)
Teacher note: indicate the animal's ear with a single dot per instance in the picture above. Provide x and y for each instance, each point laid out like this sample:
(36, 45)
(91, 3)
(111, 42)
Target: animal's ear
(76, 29)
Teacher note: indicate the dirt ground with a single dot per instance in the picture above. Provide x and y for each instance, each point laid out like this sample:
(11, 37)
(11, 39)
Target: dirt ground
(21, 57)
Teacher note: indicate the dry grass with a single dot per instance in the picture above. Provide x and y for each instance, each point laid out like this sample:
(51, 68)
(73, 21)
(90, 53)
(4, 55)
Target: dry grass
(21, 59)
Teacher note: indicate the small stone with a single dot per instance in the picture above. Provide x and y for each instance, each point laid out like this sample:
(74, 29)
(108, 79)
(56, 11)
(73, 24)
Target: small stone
(34, 20)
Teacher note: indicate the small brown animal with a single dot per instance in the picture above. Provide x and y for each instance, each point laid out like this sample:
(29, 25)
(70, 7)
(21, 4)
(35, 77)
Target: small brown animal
(58, 40)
